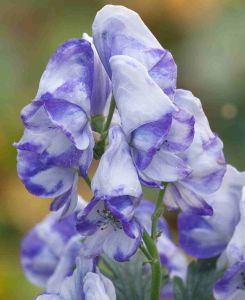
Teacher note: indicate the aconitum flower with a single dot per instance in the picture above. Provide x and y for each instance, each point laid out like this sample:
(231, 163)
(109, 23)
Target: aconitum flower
(232, 284)
(49, 250)
(161, 135)
(118, 30)
(136, 94)
(108, 220)
(208, 236)
(57, 145)
(86, 283)
(204, 157)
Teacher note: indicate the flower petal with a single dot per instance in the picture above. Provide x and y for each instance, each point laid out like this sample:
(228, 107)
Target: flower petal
(205, 155)
(149, 104)
(119, 30)
(120, 246)
(188, 200)
(231, 285)
(96, 288)
(70, 118)
(181, 133)
(236, 248)
(167, 167)
(147, 139)
(53, 147)
(42, 247)
(172, 257)
(68, 199)
(101, 92)
(65, 265)
(208, 236)
(116, 174)
(69, 74)
(41, 179)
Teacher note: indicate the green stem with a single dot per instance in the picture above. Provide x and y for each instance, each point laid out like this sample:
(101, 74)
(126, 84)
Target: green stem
(88, 181)
(155, 266)
(110, 115)
(157, 213)
(145, 252)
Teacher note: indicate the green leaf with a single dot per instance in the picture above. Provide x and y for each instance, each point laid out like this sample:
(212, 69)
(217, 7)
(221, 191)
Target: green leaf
(132, 279)
(179, 289)
(201, 277)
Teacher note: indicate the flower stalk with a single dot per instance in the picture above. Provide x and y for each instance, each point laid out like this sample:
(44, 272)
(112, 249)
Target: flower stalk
(155, 266)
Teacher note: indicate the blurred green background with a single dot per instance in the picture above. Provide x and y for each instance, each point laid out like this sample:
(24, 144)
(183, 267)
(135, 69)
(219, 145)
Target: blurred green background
(207, 39)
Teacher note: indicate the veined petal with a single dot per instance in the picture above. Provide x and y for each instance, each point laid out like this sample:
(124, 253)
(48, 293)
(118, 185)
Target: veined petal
(231, 286)
(71, 119)
(208, 166)
(189, 201)
(205, 155)
(116, 174)
(89, 218)
(96, 288)
(53, 147)
(42, 247)
(119, 246)
(68, 200)
(65, 265)
(121, 207)
(236, 248)
(101, 92)
(119, 30)
(147, 139)
(167, 167)
(181, 133)
(149, 104)
(208, 236)
(69, 74)
(87, 155)
(35, 117)
(41, 179)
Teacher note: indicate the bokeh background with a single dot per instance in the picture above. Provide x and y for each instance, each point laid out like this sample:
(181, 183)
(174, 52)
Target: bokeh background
(207, 40)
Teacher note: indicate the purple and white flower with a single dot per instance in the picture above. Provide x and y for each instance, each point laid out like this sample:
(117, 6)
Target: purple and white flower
(232, 284)
(118, 30)
(208, 236)
(161, 134)
(57, 144)
(108, 220)
(49, 250)
(204, 157)
(86, 283)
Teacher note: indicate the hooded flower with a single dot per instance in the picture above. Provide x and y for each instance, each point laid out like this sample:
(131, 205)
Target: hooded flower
(162, 133)
(108, 220)
(57, 144)
(144, 80)
(49, 250)
(232, 284)
(208, 236)
(162, 140)
(118, 30)
(86, 283)
(204, 157)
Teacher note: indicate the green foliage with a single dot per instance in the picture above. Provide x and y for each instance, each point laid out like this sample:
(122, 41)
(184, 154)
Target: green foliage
(201, 277)
(132, 279)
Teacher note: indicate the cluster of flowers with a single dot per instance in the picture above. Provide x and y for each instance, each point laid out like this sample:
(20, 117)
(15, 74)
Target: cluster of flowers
(154, 135)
